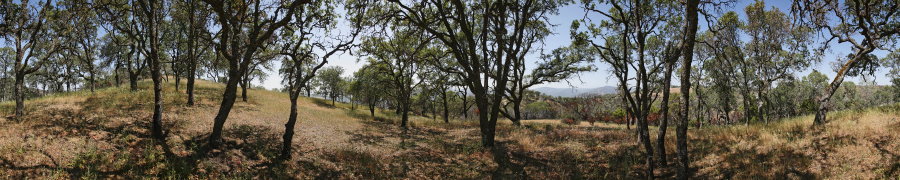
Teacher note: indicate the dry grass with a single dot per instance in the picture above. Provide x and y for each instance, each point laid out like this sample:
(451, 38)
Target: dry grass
(105, 135)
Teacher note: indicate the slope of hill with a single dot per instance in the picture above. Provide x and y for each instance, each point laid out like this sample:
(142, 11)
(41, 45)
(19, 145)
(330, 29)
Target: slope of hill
(105, 135)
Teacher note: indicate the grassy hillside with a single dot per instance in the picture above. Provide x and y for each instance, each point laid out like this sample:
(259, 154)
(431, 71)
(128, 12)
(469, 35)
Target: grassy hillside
(106, 135)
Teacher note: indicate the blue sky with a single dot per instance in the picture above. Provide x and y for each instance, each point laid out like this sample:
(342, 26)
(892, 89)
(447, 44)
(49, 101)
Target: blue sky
(602, 77)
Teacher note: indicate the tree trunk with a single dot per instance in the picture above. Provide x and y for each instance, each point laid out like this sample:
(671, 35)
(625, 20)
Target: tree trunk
(487, 131)
(465, 106)
(517, 113)
(177, 81)
(687, 57)
(663, 125)
(190, 83)
(91, 79)
(19, 95)
(192, 59)
(244, 90)
(132, 80)
(446, 108)
(228, 99)
(155, 75)
(372, 110)
(643, 102)
(404, 115)
(116, 74)
(288, 136)
(157, 102)
(824, 99)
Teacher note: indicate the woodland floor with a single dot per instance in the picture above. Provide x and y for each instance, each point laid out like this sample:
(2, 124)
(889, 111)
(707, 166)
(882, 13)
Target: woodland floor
(105, 135)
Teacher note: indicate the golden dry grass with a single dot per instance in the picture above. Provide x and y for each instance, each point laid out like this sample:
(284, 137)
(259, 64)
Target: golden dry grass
(105, 135)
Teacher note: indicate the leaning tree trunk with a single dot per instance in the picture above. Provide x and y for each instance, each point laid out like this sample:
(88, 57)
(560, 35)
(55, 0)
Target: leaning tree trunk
(687, 57)
(228, 98)
(824, 99)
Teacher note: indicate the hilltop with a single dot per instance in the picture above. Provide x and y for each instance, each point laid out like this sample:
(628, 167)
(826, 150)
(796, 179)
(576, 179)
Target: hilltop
(105, 134)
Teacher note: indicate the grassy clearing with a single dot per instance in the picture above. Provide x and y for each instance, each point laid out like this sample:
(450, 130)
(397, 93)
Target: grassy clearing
(105, 135)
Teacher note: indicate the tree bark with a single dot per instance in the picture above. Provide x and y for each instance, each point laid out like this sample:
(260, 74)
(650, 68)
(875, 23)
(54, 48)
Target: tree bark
(372, 110)
(228, 98)
(132, 81)
(487, 131)
(445, 106)
(153, 56)
(190, 83)
(465, 105)
(192, 59)
(663, 125)
(116, 74)
(824, 99)
(244, 90)
(687, 58)
(288, 136)
(404, 117)
(19, 95)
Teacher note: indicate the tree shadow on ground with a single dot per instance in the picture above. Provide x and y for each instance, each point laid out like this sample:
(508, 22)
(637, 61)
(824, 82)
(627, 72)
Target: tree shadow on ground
(246, 151)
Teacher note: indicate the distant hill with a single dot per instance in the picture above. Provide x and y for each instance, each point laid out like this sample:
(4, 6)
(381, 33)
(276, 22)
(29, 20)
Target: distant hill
(572, 92)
